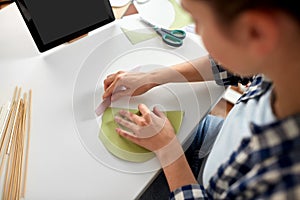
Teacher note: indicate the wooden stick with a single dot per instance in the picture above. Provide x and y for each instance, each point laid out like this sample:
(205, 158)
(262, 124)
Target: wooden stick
(15, 158)
(22, 148)
(8, 162)
(5, 159)
(9, 172)
(14, 151)
(15, 94)
(2, 114)
(8, 132)
(19, 94)
(17, 153)
(14, 121)
(5, 113)
(6, 136)
(28, 126)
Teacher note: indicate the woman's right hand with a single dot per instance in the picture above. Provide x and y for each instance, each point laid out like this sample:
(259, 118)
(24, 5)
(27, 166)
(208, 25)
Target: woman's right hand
(153, 131)
(123, 83)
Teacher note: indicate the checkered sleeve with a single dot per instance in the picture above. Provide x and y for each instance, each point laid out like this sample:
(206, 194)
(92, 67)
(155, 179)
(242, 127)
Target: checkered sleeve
(193, 191)
(226, 78)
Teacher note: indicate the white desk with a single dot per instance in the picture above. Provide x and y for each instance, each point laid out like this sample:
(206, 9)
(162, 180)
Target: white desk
(59, 165)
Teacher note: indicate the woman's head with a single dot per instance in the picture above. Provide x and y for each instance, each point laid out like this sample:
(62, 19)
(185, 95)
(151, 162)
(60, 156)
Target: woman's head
(245, 35)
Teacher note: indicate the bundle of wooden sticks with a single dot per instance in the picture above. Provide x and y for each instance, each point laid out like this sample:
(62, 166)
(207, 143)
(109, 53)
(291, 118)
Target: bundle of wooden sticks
(15, 117)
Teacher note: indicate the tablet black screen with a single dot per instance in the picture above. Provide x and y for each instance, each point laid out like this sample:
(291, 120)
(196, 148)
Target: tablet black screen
(53, 22)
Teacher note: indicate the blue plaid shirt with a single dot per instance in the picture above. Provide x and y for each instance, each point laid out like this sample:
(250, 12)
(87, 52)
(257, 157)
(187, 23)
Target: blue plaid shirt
(265, 165)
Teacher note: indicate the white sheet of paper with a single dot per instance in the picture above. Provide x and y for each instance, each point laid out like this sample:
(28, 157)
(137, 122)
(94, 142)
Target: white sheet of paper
(158, 12)
(119, 3)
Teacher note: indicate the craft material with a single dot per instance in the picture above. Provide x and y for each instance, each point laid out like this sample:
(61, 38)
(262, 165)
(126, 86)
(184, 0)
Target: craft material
(15, 117)
(123, 148)
(136, 37)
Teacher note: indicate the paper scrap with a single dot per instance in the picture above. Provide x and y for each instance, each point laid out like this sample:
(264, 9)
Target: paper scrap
(136, 37)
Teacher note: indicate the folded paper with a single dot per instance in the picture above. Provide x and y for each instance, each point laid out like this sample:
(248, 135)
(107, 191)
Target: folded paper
(123, 148)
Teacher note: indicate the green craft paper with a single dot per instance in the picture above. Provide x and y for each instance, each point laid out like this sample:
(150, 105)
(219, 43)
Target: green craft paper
(123, 148)
(182, 18)
(136, 37)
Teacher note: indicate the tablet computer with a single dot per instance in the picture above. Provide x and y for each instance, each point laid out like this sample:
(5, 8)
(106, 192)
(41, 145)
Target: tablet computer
(54, 22)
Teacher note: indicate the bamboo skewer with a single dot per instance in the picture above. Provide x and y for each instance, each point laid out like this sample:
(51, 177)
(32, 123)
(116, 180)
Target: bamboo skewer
(9, 158)
(10, 147)
(28, 126)
(13, 130)
(6, 135)
(17, 153)
(5, 117)
(21, 157)
(14, 145)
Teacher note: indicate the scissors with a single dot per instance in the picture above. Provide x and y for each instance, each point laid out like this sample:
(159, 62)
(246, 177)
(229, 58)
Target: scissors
(173, 38)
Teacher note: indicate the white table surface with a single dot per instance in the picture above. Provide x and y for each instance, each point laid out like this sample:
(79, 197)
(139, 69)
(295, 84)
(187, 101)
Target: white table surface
(59, 165)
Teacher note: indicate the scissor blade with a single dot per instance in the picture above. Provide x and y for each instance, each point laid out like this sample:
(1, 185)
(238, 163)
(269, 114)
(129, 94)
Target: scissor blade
(147, 23)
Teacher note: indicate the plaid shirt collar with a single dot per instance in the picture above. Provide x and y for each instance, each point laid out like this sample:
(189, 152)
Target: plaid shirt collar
(259, 85)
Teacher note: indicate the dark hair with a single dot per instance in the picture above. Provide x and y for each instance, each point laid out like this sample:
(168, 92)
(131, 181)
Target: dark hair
(227, 11)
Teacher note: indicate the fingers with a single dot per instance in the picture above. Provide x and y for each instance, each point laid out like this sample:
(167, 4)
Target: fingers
(157, 112)
(143, 109)
(110, 83)
(109, 79)
(127, 135)
(133, 117)
(146, 125)
(145, 118)
(109, 90)
(127, 124)
(145, 112)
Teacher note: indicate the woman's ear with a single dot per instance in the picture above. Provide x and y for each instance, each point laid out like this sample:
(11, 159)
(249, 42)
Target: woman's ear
(258, 31)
